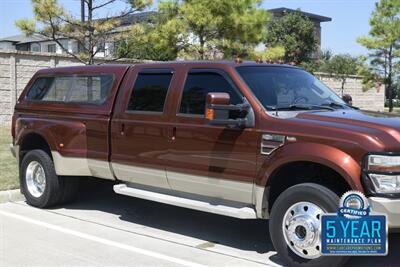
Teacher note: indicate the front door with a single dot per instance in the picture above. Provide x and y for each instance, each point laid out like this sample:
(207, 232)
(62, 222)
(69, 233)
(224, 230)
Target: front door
(212, 161)
(139, 129)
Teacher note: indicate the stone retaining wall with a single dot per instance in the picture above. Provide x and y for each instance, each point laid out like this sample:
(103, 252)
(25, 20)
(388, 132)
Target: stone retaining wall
(372, 99)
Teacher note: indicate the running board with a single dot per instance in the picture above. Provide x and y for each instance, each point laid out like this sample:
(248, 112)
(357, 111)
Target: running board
(242, 212)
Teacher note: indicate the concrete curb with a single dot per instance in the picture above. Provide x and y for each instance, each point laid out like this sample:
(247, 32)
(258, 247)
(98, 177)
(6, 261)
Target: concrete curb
(11, 196)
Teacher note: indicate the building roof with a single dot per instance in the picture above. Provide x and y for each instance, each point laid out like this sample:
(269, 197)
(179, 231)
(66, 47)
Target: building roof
(282, 10)
(137, 17)
(147, 16)
(125, 21)
(22, 38)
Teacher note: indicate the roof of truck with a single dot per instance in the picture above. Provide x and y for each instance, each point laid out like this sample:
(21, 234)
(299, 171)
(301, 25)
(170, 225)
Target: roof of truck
(119, 67)
(217, 62)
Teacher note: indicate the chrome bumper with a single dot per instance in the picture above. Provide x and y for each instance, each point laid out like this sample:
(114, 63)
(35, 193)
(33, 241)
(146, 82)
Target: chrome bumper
(390, 207)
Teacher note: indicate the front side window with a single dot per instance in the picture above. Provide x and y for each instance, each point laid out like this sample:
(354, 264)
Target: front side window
(288, 88)
(149, 92)
(93, 89)
(198, 85)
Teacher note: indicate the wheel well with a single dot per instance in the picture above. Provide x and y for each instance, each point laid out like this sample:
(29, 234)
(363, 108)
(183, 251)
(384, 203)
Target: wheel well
(304, 172)
(33, 141)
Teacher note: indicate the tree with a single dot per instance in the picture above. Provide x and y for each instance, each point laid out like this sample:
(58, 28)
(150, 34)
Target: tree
(142, 43)
(295, 33)
(90, 34)
(341, 67)
(203, 29)
(271, 54)
(318, 64)
(383, 41)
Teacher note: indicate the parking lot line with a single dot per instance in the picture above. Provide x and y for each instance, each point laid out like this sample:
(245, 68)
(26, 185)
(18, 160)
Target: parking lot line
(101, 240)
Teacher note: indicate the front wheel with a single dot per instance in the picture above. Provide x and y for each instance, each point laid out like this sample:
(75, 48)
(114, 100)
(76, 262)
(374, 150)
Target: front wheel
(41, 185)
(294, 225)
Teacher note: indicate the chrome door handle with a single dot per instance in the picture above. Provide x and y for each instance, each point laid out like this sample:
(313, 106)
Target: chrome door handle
(122, 129)
(173, 134)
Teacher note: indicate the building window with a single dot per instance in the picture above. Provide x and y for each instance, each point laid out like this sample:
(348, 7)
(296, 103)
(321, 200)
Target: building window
(109, 49)
(51, 48)
(101, 47)
(35, 47)
(64, 45)
(22, 47)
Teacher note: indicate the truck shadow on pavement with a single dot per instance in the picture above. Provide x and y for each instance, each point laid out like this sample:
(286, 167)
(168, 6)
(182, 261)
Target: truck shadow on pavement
(248, 235)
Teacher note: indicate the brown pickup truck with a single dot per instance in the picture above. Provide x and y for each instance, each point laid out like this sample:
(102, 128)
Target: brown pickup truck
(247, 140)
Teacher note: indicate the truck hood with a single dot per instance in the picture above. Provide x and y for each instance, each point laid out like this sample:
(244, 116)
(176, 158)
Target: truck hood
(382, 127)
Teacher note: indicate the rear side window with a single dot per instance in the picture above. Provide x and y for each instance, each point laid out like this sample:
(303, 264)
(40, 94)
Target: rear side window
(198, 85)
(94, 88)
(149, 92)
(39, 88)
(91, 89)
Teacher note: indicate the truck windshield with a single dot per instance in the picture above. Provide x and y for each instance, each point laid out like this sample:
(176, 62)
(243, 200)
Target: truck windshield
(284, 88)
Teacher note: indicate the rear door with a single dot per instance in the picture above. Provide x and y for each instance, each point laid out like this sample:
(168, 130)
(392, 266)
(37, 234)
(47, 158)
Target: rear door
(212, 161)
(139, 129)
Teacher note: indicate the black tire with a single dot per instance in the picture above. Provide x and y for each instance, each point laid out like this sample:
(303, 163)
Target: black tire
(309, 192)
(57, 189)
(70, 188)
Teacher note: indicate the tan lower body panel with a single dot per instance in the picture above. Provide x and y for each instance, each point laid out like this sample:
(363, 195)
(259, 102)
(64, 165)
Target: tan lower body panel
(140, 175)
(209, 187)
(74, 166)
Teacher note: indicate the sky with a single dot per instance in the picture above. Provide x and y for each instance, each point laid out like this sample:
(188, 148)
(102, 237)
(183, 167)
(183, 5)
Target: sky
(349, 18)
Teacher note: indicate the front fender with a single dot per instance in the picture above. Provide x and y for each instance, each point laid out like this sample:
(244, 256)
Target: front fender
(326, 155)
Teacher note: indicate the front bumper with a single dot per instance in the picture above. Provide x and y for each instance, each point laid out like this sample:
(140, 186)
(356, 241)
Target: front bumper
(390, 207)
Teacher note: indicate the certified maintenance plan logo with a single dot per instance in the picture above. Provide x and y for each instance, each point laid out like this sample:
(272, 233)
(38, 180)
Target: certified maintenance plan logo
(353, 230)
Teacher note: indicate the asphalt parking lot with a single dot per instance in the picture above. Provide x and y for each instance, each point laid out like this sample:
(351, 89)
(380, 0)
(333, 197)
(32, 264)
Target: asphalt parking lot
(105, 229)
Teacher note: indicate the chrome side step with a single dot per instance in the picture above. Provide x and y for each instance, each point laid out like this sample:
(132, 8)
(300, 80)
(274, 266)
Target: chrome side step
(242, 212)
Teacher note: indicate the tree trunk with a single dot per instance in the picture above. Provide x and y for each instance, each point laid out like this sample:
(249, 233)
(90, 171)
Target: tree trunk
(82, 11)
(343, 83)
(201, 50)
(90, 35)
(390, 92)
(389, 78)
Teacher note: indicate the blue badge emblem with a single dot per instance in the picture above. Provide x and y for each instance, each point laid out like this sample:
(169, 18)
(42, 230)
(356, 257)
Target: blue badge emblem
(352, 205)
(353, 230)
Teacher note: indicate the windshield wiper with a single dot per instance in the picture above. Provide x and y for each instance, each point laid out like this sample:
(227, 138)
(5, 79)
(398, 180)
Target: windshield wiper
(299, 107)
(335, 104)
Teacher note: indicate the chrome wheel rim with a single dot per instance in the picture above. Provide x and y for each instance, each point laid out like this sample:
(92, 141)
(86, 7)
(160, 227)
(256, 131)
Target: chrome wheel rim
(35, 178)
(301, 228)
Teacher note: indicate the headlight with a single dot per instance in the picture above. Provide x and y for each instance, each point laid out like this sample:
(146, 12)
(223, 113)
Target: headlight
(384, 172)
(383, 163)
(385, 183)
